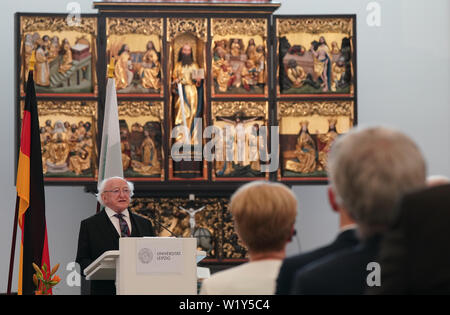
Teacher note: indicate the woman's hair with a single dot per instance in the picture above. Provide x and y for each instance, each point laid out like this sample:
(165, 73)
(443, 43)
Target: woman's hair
(264, 214)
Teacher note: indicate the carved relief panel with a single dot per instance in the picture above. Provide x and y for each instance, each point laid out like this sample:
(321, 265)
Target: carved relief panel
(136, 46)
(66, 55)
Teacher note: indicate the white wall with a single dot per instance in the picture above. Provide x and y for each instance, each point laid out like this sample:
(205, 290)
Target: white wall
(403, 81)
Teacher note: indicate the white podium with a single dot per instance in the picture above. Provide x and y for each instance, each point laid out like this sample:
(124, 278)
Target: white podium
(149, 265)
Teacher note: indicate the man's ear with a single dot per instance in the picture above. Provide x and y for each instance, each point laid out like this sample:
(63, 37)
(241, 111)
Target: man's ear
(102, 197)
(332, 199)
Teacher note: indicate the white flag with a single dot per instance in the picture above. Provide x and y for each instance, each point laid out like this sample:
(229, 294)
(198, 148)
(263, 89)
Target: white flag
(110, 153)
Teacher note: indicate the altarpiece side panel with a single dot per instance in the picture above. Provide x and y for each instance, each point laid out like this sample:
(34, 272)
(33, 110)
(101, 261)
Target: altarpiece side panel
(239, 57)
(240, 145)
(66, 55)
(136, 46)
(315, 56)
(68, 130)
(307, 130)
(141, 137)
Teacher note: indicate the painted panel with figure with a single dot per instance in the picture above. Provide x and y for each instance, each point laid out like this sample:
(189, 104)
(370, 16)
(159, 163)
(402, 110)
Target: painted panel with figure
(307, 130)
(239, 57)
(136, 46)
(66, 55)
(240, 143)
(141, 138)
(68, 130)
(316, 56)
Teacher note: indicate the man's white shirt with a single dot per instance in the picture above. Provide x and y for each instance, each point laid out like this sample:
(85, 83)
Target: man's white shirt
(115, 220)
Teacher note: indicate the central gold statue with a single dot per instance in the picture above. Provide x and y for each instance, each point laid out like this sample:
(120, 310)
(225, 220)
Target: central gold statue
(185, 72)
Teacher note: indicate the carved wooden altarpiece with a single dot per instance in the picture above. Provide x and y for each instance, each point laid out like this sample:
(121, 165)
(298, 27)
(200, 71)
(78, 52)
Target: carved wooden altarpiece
(279, 89)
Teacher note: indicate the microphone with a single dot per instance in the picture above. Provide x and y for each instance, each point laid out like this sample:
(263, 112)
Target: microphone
(162, 225)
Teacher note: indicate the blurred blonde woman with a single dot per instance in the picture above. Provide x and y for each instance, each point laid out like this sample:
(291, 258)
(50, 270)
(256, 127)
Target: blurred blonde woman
(264, 216)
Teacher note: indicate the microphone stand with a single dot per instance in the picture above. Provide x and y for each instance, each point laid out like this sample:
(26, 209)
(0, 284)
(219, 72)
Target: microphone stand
(164, 227)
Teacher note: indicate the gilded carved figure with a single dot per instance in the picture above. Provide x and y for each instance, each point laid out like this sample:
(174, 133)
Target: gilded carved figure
(296, 74)
(150, 68)
(66, 53)
(322, 62)
(325, 142)
(305, 152)
(122, 71)
(41, 67)
(188, 83)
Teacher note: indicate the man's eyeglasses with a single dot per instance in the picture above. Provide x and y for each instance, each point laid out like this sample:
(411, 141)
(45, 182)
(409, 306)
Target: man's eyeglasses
(117, 191)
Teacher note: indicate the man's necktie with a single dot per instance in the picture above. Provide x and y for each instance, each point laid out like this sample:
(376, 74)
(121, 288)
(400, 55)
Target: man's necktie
(124, 230)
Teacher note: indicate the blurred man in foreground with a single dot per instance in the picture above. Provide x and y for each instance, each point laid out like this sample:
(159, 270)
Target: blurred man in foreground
(369, 170)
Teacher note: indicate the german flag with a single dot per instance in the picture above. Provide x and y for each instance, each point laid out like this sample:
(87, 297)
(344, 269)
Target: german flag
(30, 195)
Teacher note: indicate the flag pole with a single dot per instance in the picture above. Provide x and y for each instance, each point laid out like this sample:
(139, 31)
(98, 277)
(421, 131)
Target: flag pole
(13, 248)
(110, 75)
(16, 213)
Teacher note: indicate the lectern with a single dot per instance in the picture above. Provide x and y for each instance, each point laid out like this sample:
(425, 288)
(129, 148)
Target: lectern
(149, 265)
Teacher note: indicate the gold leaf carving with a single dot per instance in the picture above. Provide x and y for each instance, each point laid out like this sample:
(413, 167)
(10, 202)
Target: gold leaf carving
(178, 26)
(30, 24)
(143, 26)
(227, 109)
(315, 26)
(231, 26)
(328, 108)
(141, 108)
(70, 108)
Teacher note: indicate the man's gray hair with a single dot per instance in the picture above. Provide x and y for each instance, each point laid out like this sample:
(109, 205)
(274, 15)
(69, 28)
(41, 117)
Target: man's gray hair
(102, 184)
(369, 170)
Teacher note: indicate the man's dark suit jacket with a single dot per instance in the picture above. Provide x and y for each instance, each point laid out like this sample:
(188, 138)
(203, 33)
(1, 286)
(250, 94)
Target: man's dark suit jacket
(291, 265)
(342, 273)
(97, 235)
(415, 254)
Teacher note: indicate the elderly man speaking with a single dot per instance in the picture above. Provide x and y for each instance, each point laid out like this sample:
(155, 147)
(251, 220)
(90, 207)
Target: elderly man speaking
(101, 232)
